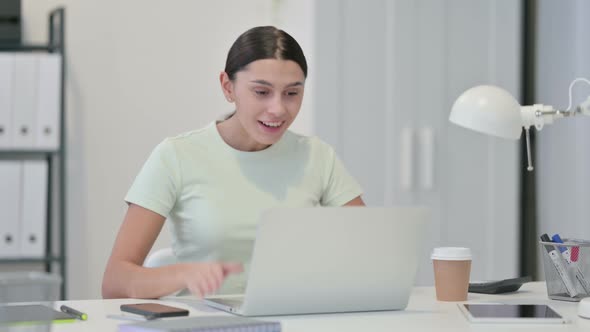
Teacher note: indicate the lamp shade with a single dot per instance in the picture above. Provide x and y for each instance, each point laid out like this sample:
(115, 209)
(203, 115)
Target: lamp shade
(490, 110)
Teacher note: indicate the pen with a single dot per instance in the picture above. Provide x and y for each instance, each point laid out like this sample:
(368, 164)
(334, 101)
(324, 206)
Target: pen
(558, 263)
(571, 262)
(72, 311)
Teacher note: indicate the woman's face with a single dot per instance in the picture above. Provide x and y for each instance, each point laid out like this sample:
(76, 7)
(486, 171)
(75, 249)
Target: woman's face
(268, 95)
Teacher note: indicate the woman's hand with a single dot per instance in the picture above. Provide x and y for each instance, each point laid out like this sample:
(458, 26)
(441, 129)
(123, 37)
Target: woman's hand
(203, 279)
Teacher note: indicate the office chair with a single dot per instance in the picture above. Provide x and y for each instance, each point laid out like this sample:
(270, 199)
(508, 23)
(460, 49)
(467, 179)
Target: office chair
(163, 257)
(160, 257)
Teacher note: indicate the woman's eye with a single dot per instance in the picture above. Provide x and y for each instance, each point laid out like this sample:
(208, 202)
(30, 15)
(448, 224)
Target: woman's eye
(292, 93)
(261, 92)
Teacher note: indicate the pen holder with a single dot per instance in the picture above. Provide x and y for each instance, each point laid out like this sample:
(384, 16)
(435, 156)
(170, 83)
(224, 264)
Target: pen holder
(567, 269)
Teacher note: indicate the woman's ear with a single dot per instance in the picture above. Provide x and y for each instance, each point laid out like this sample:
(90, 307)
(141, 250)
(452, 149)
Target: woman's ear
(227, 86)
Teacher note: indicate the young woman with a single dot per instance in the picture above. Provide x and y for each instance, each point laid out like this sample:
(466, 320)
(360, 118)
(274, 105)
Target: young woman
(211, 184)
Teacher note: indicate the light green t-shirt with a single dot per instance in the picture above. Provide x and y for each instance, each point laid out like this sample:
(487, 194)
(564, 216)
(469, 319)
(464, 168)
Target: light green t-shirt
(213, 194)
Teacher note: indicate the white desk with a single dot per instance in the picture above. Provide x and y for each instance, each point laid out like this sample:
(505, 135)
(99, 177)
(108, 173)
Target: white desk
(424, 313)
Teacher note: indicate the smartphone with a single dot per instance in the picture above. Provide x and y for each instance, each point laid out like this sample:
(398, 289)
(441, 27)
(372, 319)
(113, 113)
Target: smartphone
(154, 310)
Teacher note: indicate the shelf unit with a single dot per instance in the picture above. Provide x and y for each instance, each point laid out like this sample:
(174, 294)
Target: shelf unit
(56, 160)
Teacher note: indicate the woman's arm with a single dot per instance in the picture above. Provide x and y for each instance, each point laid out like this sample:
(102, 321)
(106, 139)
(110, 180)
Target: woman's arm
(126, 277)
(358, 201)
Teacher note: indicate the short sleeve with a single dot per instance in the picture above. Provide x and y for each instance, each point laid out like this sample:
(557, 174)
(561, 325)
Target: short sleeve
(157, 185)
(339, 186)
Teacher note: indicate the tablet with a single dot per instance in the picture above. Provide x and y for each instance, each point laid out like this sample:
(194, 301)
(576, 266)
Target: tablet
(511, 313)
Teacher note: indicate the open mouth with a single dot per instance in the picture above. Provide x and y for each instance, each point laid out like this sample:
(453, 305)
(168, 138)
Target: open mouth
(273, 124)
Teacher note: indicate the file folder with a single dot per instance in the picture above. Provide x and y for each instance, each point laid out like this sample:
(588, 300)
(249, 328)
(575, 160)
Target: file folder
(25, 100)
(33, 208)
(6, 77)
(10, 195)
(49, 102)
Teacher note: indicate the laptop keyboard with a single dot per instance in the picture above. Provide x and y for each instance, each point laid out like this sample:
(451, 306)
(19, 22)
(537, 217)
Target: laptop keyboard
(230, 302)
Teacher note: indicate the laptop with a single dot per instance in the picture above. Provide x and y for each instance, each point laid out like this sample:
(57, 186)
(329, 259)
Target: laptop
(325, 260)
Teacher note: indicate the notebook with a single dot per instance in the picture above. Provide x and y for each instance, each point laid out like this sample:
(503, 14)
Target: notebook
(31, 314)
(203, 324)
(320, 260)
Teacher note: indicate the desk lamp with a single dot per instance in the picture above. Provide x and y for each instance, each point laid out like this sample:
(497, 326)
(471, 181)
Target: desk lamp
(493, 111)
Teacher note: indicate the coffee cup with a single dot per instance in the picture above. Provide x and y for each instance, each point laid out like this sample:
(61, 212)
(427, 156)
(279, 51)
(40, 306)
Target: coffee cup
(452, 266)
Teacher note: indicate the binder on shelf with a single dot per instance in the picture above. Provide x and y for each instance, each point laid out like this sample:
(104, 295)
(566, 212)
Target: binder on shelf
(6, 92)
(25, 100)
(48, 104)
(33, 208)
(10, 195)
(10, 21)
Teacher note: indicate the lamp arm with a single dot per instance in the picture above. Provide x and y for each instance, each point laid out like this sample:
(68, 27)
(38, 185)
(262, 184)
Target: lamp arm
(584, 107)
(539, 115)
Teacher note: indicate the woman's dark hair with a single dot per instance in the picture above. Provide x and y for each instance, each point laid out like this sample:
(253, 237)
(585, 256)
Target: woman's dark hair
(266, 42)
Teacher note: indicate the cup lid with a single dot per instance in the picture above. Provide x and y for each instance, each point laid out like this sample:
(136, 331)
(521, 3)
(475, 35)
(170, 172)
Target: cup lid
(451, 253)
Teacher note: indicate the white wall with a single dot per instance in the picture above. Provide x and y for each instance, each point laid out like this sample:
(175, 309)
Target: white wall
(138, 71)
